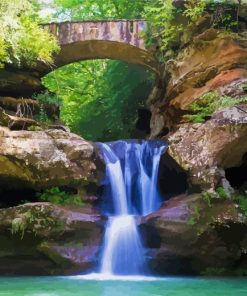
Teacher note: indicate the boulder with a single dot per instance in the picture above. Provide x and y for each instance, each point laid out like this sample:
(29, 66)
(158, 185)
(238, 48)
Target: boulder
(190, 235)
(47, 239)
(205, 150)
(46, 158)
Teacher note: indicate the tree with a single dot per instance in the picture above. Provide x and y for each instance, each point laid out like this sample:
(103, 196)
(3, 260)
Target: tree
(100, 97)
(100, 9)
(22, 40)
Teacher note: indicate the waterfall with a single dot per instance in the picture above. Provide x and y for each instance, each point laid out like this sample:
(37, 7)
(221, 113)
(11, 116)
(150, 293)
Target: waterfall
(130, 189)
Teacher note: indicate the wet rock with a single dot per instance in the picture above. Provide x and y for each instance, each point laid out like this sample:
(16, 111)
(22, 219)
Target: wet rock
(43, 239)
(195, 236)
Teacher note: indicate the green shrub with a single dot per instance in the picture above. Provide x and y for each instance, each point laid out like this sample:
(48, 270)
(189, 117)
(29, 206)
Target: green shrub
(221, 192)
(195, 216)
(163, 25)
(206, 105)
(20, 224)
(241, 199)
(22, 40)
(207, 198)
(34, 128)
(167, 23)
(56, 196)
(46, 98)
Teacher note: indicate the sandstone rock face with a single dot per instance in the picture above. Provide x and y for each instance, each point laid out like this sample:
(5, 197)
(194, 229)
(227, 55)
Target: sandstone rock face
(43, 239)
(189, 236)
(16, 83)
(46, 158)
(213, 62)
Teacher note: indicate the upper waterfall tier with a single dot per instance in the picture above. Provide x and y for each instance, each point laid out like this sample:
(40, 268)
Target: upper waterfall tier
(131, 176)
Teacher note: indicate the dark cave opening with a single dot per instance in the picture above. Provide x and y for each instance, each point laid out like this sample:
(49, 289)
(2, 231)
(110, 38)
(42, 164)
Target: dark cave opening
(172, 178)
(237, 176)
(13, 196)
(10, 197)
(143, 122)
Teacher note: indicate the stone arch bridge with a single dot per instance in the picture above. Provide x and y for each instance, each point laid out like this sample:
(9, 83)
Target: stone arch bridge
(112, 39)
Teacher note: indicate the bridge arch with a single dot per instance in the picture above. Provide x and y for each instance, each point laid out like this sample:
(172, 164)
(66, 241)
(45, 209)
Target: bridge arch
(118, 39)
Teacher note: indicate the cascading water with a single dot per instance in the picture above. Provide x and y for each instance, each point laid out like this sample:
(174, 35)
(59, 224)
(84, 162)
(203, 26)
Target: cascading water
(130, 189)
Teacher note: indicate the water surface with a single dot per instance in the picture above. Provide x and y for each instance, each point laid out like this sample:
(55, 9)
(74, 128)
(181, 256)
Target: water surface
(170, 286)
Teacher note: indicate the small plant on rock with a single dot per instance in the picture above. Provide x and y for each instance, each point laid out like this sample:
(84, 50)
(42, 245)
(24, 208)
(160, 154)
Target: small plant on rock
(206, 105)
(20, 224)
(56, 196)
(241, 199)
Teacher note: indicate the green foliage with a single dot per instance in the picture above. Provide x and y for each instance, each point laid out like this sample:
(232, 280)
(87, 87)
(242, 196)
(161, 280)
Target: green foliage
(167, 23)
(3, 52)
(42, 117)
(161, 15)
(47, 98)
(244, 87)
(100, 9)
(194, 9)
(100, 97)
(224, 14)
(35, 128)
(241, 199)
(22, 40)
(206, 105)
(196, 216)
(207, 198)
(20, 224)
(56, 196)
(221, 192)
(165, 26)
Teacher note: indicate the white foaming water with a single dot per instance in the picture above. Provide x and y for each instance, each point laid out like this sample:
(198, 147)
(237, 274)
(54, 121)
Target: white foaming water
(112, 277)
(131, 179)
(123, 253)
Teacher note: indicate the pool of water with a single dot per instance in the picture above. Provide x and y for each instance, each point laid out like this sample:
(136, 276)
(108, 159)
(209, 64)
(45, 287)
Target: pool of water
(91, 286)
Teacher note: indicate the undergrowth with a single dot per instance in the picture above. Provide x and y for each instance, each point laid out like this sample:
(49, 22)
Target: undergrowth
(203, 108)
(56, 196)
(168, 23)
(241, 199)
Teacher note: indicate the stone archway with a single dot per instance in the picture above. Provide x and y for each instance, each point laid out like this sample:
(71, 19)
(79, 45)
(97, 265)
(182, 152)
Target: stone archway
(121, 39)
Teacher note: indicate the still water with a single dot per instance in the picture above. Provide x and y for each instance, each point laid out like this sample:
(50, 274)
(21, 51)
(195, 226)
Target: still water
(130, 286)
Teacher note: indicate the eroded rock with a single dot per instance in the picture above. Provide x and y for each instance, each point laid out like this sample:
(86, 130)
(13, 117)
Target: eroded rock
(43, 239)
(193, 236)
(206, 149)
(46, 158)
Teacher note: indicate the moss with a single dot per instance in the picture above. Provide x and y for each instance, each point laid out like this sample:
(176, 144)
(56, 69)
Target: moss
(36, 220)
(15, 171)
(48, 250)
